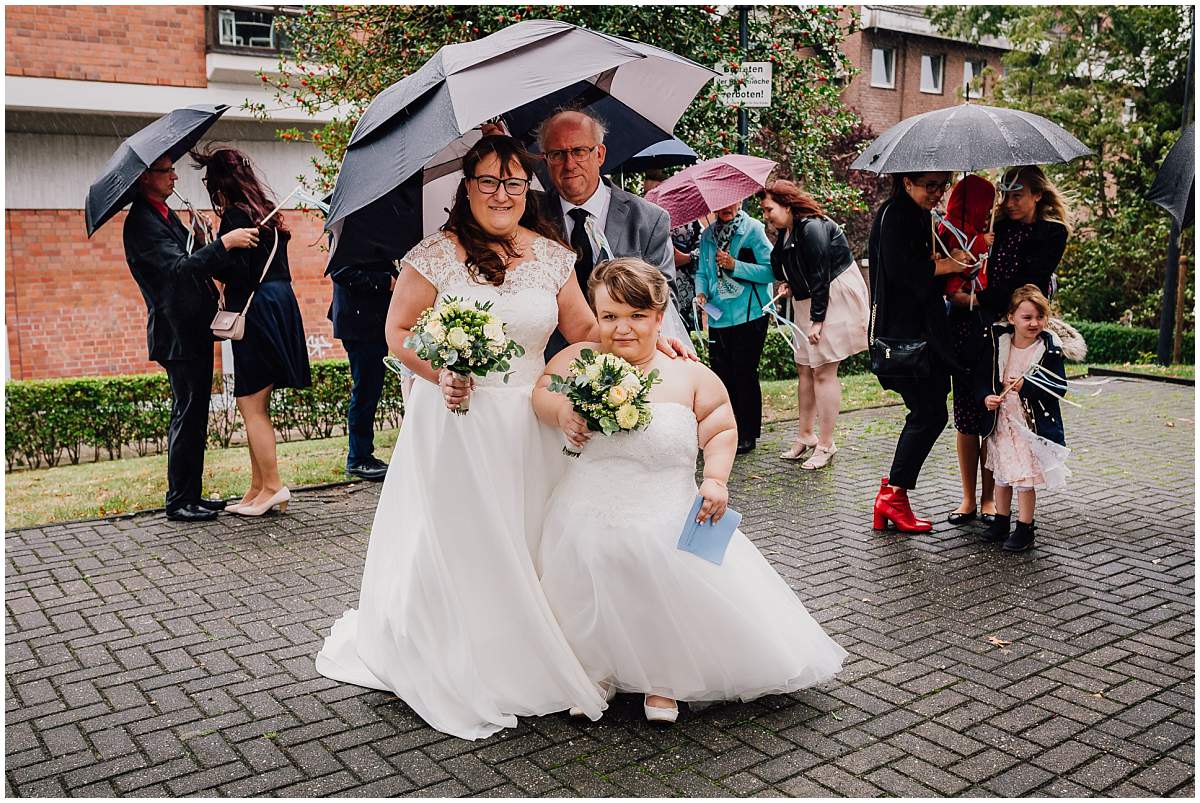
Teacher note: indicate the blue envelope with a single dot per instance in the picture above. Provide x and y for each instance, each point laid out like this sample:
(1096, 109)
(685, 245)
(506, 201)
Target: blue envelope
(708, 540)
(713, 311)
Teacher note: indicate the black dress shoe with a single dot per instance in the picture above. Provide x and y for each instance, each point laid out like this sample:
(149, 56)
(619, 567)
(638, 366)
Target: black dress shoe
(988, 518)
(370, 469)
(957, 518)
(746, 446)
(212, 504)
(192, 512)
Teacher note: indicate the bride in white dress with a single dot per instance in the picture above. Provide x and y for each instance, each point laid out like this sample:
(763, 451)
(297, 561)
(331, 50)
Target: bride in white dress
(642, 615)
(451, 616)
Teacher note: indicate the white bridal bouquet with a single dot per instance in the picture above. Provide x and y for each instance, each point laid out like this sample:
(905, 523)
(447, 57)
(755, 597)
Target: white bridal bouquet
(609, 393)
(465, 339)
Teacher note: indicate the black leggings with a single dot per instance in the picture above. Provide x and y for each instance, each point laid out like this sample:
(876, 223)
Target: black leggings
(927, 417)
(735, 352)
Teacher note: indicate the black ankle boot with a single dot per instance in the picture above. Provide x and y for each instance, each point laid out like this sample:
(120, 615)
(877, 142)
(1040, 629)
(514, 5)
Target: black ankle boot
(997, 531)
(1021, 539)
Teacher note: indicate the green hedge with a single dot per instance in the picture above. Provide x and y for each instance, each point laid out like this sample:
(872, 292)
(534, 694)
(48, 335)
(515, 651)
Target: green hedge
(1112, 342)
(777, 361)
(48, 422)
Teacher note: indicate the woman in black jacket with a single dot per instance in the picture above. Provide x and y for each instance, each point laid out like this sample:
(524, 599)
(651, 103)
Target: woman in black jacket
(908, 305)
(1029, 239)
(829, 298)
(273, 352)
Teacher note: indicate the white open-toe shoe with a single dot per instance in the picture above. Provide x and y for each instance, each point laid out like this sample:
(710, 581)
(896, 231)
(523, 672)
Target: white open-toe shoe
(610, 691)
(656, 714)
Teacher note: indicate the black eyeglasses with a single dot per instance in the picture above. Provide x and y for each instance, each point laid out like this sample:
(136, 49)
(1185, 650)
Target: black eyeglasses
(513, 186)
(160, 169)
(932, 187)
(578, 154)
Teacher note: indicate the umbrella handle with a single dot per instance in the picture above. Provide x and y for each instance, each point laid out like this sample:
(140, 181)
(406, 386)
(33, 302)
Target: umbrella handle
(280, 206)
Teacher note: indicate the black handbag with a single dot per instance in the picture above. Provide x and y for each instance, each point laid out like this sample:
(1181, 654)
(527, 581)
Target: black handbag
(894, 358)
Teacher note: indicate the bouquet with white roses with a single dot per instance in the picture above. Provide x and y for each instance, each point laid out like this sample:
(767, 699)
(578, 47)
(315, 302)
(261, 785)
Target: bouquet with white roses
(610, 394)
(464, 339)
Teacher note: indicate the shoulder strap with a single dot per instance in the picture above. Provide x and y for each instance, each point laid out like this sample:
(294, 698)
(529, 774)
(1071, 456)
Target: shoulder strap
(270, 258)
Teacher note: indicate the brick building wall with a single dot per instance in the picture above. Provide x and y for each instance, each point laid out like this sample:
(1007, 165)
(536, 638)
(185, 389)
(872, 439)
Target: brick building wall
(73, 308)
(126, 44)
(882, 107)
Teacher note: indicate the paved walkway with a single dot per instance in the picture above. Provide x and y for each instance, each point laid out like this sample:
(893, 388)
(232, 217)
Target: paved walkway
(146, 657)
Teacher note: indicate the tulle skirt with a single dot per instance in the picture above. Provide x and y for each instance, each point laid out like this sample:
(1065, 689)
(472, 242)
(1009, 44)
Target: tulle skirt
(451, 615)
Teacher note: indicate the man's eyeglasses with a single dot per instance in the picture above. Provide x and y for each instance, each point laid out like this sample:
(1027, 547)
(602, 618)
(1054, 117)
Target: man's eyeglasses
(513, 186)
(578, 154)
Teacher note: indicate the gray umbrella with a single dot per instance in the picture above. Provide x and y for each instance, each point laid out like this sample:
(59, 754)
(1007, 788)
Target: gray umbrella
(967, 138)
(1174, 187)
(173, 135)
(408, 135)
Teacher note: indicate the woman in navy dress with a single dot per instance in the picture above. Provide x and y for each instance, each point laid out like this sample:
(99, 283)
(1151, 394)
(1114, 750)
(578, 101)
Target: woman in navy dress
(272, 353)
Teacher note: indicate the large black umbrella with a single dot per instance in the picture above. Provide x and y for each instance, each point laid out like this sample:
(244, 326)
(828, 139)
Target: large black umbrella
(415, 131)
(967, 138)
(669, 153)
(1174, 187)
(172, 135)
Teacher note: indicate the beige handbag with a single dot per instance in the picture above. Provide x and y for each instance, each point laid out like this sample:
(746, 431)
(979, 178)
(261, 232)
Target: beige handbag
(230, 325)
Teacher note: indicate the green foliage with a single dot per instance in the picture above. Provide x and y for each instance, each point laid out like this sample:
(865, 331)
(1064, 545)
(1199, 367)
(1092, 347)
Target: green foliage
(346, 55)
(1080, 66)
(49, 421)
(1113, 343)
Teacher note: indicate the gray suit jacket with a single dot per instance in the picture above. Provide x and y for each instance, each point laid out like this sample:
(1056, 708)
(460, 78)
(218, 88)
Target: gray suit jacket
(635, 227)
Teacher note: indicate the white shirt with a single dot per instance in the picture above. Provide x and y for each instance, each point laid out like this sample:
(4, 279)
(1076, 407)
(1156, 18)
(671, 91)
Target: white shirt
(597, 205)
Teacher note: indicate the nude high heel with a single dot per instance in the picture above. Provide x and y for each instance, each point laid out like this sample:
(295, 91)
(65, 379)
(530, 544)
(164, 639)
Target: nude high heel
(281, 498)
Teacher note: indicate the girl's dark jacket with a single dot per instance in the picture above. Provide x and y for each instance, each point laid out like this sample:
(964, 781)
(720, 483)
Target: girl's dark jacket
(908, 299)
(1042, 410)
(815, 253)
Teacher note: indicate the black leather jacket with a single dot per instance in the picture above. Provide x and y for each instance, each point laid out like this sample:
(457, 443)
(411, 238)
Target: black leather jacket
(814, 255)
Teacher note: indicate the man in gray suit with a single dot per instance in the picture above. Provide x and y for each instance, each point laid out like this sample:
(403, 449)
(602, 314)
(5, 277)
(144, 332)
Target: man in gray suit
(599, 220)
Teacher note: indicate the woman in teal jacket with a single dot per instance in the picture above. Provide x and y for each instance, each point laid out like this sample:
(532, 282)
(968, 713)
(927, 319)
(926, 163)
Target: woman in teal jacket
(734, 278)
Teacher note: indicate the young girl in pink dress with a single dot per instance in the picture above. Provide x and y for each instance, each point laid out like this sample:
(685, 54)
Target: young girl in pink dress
(1020, 382)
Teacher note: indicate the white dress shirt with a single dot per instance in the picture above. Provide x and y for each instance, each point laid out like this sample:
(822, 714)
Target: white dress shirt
(597, 206)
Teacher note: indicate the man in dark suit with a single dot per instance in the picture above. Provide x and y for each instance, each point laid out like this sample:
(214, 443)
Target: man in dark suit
(181, 301)
(599, 220)
(361, 294)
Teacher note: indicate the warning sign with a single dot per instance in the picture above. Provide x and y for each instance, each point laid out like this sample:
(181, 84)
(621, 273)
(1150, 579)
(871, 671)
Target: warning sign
(754, 91)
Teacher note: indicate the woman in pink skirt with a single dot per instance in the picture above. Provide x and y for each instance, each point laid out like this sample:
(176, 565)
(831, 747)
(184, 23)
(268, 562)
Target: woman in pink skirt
(830, 304)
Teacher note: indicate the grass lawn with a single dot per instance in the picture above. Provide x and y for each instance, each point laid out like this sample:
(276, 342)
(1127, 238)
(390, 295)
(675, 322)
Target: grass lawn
(1178, 371)
(92, 490)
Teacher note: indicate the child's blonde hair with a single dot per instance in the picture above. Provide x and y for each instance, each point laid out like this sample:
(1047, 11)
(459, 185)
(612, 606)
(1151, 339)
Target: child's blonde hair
(1033, 294)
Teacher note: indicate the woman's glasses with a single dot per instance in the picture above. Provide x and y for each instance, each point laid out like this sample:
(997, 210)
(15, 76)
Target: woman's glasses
(933, 187)
(513, 186)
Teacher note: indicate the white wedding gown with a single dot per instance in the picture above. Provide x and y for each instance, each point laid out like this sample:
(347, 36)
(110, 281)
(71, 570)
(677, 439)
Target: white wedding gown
(451, 615)
(642, 614)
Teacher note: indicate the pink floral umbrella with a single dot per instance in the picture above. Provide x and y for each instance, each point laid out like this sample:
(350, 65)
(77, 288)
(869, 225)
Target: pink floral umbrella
(710, 185)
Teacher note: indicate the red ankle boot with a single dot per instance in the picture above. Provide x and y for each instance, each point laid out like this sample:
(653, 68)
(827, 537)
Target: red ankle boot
(891, 504)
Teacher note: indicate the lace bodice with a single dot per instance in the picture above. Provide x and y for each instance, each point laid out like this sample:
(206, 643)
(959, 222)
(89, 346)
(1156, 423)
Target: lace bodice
(645, 473)
(527, 301)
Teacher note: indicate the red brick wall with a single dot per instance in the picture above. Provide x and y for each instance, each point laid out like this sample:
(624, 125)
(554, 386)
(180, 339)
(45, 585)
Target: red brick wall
(73, 309)
(128, 44)
(883, 108)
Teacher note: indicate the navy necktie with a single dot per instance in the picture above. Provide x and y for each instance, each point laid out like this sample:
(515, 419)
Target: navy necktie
(583, 246)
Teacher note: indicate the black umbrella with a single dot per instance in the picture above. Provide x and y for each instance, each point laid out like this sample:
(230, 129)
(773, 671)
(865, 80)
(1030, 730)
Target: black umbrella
(171, 135)
(1174, 187)
(414, 132)
(670, 153)
(968, 138)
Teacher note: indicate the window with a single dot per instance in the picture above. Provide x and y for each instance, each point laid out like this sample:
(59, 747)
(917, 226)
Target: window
(931, 73)
(973, 77)
(248, 29)
(883, 67)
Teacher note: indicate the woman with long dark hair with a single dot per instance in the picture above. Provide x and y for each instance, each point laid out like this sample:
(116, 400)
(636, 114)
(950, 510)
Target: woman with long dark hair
(829, 299)
(909, 318)
(272, 353)
(451, 615)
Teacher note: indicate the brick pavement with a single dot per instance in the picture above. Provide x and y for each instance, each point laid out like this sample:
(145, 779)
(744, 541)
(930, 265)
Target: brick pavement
(146, 657)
